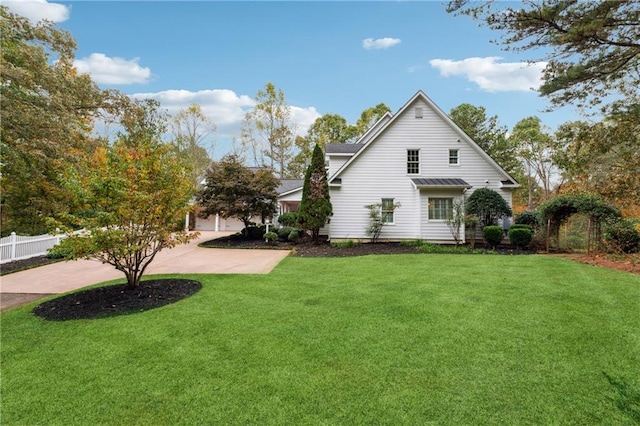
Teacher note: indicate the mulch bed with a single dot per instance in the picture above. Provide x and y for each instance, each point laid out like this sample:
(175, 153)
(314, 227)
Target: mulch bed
(309, 249)
(116, 300)
(20, 265)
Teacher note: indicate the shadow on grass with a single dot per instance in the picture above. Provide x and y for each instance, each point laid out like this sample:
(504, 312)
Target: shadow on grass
(627, 397)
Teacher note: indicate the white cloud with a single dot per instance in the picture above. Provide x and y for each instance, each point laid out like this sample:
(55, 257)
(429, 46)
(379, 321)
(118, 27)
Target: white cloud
(303, 118)
(379, 43)
(224, 107)
(37, 10)
(106, 70)
(492, 76)
(415, 68)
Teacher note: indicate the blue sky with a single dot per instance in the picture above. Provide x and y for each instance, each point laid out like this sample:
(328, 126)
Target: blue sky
(327, 57)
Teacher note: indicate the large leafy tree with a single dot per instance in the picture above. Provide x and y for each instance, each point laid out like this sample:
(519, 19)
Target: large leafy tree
(47, 116)
(537, 149)
(593, 46)
(315, 207)
(368, 118)
(129, 200)
(191, 130)
(267, 130)
(604, 158)
(488, 134)
(235, 190)
(330, 128)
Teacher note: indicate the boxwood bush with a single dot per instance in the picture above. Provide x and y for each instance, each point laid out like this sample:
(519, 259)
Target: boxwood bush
(283, 233)
(528, 217)
(271, 237)
(492, 235)
(520, 236)
(288, 219)
(294, 236)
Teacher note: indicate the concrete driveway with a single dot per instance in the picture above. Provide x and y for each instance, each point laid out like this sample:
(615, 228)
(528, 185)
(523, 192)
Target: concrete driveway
(32, 284)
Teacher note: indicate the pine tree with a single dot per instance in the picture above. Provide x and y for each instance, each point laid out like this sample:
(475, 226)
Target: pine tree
(315, 207)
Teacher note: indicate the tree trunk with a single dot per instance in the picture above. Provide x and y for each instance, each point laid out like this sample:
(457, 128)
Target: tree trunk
(589, 236)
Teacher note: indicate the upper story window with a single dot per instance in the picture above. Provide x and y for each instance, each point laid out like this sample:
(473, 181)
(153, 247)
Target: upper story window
(386, 210)
(418, 112)
(454, 157)
(413, 161)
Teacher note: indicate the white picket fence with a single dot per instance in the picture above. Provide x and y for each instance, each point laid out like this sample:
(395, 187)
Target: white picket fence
(16, 247)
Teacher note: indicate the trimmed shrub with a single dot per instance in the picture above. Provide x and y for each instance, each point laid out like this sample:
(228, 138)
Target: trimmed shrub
(520, 236)
(294, 236)
(288, 219)
(271, 237)
(492, 235)
(255, 232)
(622, 236)
(519, 226)
(528, 217)
(283, 233)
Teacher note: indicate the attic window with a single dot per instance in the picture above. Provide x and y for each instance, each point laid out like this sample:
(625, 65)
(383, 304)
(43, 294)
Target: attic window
(418, 112)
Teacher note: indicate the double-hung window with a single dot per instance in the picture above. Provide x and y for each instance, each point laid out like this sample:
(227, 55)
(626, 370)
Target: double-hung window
(413, 161)
(454, 157)
(440, 208)
(386, 210)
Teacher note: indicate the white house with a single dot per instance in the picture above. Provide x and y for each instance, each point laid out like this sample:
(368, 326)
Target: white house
(418, 158)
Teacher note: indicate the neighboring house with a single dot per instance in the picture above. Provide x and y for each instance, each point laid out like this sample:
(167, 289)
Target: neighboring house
(418, 158)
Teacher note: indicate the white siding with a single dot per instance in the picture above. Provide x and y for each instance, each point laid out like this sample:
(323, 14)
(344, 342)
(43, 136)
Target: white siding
(436, 231)
(380, 171)
(335, 162)
(293, 196)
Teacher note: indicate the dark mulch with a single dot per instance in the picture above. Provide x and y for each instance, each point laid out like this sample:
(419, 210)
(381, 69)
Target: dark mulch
(308, 249)
(20, 265)
(116, 300)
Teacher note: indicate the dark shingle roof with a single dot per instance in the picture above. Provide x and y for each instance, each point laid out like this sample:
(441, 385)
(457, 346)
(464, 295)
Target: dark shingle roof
(343, 148)
(441, 182)
(287, 185)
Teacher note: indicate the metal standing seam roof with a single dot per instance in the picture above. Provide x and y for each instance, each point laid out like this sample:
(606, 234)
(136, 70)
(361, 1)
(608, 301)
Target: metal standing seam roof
(441, 182)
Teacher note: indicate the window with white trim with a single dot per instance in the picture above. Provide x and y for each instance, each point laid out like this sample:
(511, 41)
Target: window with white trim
(454, 157)
(413, 161)
(386, 210)
(440, 208)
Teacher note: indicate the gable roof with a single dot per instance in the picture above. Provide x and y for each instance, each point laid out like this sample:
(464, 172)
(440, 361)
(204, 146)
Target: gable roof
(289, 185)
(343, 148)
(420, 95)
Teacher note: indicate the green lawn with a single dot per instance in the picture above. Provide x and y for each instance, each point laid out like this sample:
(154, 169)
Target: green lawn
(403, 339)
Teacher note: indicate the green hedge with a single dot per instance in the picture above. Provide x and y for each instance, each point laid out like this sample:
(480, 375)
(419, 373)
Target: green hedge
(492, 235)
(520, 236)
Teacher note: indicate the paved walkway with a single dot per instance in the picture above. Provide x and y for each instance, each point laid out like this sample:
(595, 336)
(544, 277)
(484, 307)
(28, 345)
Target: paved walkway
(61, 277)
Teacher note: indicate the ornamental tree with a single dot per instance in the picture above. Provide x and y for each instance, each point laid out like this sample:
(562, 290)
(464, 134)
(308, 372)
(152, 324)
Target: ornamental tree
(234, 190)
(315, 206)
(487, 205)
(129, 200)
